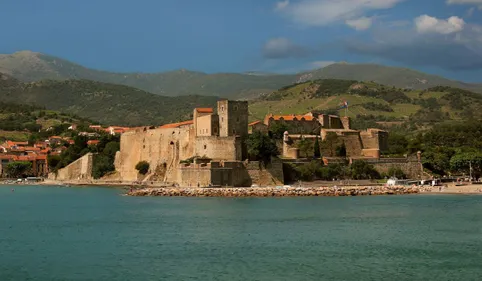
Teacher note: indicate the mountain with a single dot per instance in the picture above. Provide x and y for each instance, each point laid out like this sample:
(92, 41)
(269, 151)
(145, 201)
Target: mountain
(370, 102)
(30, 67)
(391, 76)
(107, 103)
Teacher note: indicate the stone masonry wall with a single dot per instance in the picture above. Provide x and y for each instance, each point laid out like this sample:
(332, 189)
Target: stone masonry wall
(81, 169)
(269, 175)
(219, 148)
(165, 147)
(410, 166)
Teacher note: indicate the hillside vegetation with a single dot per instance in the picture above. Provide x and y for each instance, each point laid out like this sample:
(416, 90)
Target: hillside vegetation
(372, 104)
(30, 67)
(107, 103)
(18, 122)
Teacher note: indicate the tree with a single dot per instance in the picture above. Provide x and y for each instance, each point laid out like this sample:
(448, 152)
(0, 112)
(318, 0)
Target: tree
(396, 172)
(18, 169)
(261, 146)
(361, 170)
(277, 130)
(437, 159)
(54, 162)
(142, 167)
(305, 146)
(316, 148)
(464, 161)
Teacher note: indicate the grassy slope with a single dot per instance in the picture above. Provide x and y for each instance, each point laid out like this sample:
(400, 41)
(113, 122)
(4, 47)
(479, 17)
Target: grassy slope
(29, 67)
(108, 103)
(295, 100)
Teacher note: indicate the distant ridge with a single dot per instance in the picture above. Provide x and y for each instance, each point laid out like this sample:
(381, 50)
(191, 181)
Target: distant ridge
(28, 66)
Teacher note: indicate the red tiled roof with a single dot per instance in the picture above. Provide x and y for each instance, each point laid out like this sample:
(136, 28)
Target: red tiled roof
(31, 157)
(93, 142)
(177, 125)
(7, 157)
(204, 110)
(254, 123)
(16, 143)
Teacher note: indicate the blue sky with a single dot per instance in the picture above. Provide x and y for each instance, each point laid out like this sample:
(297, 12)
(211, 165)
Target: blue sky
(438, 36)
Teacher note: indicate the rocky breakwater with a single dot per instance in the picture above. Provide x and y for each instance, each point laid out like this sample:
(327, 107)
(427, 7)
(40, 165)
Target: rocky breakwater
(276, 192)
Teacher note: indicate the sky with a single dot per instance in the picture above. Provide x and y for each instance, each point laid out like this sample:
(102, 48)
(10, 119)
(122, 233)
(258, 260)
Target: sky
(442, 37)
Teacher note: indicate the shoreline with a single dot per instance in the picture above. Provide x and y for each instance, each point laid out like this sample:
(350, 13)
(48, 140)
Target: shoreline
(151, 190)
(276, 192)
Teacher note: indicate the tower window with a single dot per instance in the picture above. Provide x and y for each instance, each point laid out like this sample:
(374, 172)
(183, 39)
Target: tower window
(222, 108)
(235, 108)
(237, 119)
(205, 146)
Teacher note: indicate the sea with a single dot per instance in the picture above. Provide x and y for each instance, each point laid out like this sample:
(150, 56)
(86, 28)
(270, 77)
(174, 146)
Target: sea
(97, 233)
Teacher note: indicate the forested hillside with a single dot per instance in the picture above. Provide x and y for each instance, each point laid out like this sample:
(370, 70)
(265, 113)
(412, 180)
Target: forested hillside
(107, 103)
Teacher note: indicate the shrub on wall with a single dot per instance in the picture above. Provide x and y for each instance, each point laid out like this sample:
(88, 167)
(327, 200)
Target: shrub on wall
(142, 167)
(396, 172)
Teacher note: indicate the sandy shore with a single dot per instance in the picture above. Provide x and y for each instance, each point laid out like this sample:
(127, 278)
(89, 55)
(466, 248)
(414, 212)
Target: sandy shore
(453, 189)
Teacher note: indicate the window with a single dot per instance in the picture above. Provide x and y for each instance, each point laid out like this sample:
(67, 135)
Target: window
(222, 108)
(222, 119)
(237, 119)
(205, 146)
(235, 108)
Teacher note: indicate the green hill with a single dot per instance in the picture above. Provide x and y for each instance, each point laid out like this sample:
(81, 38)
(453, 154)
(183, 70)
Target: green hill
(29, 67)
(391, 76)
(18, 121)
(371, 102)
(109, 104)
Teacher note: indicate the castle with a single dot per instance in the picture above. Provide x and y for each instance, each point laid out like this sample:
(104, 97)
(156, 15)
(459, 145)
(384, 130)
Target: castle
(210, 149)
(207, 150)
(358, 144)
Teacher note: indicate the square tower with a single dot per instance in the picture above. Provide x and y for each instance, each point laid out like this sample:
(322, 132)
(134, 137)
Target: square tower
(233, 118)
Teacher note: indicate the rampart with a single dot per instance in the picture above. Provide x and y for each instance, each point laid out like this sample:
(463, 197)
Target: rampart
(81, 169)
(231, 173)
(161, 147)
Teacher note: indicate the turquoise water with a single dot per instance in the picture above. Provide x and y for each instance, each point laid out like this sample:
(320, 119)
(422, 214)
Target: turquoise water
(51, 233)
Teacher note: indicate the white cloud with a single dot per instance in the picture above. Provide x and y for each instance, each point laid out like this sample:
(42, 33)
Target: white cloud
(283, 4)
(435, 46)
(428, 24)
(464, 2)
(324, 12)
(362, 23)
(276, 48)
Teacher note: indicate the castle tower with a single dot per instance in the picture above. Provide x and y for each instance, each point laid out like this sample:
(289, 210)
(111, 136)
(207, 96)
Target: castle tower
(233, 118)
(346, 121)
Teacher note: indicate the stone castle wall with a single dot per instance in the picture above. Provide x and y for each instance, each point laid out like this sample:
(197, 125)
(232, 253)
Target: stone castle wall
(410, 166)
(81, 169)
(218, 148)
(232, 174)
(159, 147)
